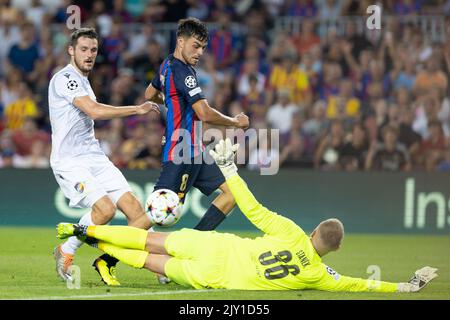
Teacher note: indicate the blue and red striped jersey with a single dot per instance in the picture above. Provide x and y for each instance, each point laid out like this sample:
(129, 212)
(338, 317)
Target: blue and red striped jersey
(178, 82)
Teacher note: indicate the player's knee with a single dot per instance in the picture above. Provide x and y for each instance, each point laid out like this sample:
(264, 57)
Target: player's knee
(103, 213)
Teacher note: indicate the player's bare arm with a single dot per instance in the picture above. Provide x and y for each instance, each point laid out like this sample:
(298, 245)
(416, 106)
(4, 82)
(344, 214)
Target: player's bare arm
(101, 111)
(154, 95)
(210, 115)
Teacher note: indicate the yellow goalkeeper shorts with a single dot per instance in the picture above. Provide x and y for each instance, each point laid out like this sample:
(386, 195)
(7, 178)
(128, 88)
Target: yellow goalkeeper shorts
(198, 258)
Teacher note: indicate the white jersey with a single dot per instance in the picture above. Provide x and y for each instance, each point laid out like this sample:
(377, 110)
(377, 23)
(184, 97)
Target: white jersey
(72, 130)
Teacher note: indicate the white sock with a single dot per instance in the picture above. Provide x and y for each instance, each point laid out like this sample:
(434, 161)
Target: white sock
(72, 244)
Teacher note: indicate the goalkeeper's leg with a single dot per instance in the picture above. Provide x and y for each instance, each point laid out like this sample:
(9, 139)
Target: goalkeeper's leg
(136, 258)
(123, 236)
(127, 244)
(105, 265)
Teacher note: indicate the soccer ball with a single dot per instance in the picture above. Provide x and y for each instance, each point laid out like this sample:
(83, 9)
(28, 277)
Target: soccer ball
(163, 207)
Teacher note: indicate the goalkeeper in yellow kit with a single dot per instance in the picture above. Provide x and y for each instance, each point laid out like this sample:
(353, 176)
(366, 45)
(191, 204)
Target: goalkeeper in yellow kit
(284, 258)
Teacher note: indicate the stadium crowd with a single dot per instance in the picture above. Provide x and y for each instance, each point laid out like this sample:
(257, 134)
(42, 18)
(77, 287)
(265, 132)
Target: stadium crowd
(351, 100)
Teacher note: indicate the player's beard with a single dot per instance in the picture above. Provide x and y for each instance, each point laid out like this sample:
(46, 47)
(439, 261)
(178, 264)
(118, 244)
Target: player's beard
(82, 66)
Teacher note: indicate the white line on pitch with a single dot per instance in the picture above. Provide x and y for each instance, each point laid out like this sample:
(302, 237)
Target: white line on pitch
(108, 295)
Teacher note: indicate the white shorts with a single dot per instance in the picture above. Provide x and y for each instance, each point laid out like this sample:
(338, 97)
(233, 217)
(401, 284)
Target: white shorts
(86, 180)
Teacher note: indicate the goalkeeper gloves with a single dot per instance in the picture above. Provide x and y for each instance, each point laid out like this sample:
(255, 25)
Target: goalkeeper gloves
(223, 155)
(419, 280)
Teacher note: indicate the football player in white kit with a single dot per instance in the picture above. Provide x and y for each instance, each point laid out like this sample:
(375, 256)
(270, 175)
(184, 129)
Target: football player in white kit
(85, 174)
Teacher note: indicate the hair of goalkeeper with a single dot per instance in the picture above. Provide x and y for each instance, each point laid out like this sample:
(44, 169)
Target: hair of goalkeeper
(331, 232)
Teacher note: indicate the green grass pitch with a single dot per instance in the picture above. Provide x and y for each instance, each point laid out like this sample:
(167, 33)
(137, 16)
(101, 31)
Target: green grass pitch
(27, 270)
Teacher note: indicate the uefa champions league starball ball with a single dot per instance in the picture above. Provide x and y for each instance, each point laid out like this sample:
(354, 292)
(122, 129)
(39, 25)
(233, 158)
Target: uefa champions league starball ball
(163, 207)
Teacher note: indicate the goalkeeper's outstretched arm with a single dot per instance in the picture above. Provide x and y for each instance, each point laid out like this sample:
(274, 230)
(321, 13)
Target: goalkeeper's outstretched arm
(267, 221)
(334, 282)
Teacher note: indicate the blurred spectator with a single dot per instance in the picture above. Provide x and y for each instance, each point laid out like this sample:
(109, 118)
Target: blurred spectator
(389, 155)
(407, 136)
(426, 109)
(432, 149)
(300, 8)
(147, 64)
(254, 49)
(140, 42)
(250, 68)
(22, 108)
(37, 159)
(216, 8)
(60, 14)
(10, 87)
(405, 7)
(133, 7)
(430, 77)
(353, 154)
(274, 7)
(150, 156)
(306, 38)
(402, 98)
(253, 96)
(317, 123)
(312, 68)
(124, 89)
(330, 147)
(279, 115)
(174, 10)
(36, 12)
(102, 18)
(329, 9)
(27, 135)
(7, 154)
(24, 54)
(281, 45)
(10, 35)
(358, 40)
(288, 75)
(298, 149)
(112, 45)
(7, 159)
(444, 164)
(135, 142)
(197, 9)
(224, 43)
(329, 79)
(209, 78)
(344, 105)
(403, 74)
(444, 109)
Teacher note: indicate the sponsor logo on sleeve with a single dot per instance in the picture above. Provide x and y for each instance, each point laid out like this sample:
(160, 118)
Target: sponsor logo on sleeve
(193, 92)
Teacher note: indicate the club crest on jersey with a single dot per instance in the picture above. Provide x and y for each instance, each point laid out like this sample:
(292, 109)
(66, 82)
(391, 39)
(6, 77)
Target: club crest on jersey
(72, 85)
(79, 186)
(190, 82)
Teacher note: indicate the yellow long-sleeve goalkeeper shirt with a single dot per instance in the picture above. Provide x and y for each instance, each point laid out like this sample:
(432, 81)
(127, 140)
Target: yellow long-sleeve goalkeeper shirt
(284, 258)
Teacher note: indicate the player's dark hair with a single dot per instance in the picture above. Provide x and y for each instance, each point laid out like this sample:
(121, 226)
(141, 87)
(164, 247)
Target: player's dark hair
(192, 27)
(82, 32)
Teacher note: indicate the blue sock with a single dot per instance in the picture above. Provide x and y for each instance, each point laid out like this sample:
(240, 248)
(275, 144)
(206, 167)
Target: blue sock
(211, 219)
